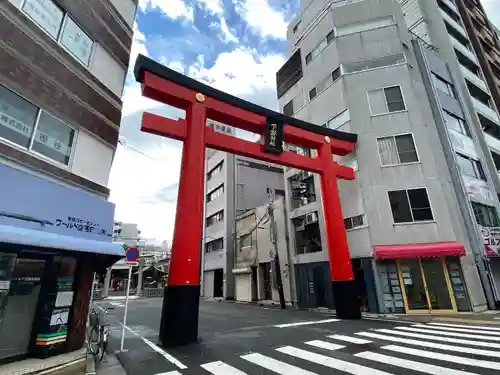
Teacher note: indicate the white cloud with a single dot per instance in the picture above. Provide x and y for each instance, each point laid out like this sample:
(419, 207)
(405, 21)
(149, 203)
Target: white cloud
(264, 19)
(239, 73)
(213, 6)
(171, 8)
(227, 35)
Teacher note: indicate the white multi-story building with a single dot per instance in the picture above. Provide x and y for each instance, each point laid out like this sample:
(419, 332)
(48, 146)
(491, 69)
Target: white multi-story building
(425, 179)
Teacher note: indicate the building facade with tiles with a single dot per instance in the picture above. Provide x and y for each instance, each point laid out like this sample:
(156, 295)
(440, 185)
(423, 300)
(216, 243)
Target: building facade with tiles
(424, 201)
(63, 69)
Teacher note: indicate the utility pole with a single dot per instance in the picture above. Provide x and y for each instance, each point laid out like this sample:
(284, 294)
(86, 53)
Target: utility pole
(274, 238)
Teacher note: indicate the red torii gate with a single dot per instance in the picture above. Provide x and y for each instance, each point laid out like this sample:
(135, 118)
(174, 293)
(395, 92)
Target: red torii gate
(179, 321)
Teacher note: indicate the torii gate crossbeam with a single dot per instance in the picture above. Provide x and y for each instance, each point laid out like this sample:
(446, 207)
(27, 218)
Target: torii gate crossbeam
(179, 321)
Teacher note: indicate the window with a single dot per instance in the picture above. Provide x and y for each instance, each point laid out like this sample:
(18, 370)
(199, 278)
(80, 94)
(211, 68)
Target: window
(53, 139)
(45, 14)
(215, 171)
(55, 22)
(312, 93)
(34, 129)
(379, 62)
(245, 241)
(456, 123)
(288, 108)
(325, 83)
(354, 222)
(386, 100)
(486, 216)
(316, 51)
(399, 149)
(443, 86)
(214, 245)
(410, 206)
(339, 120)
(215, 218)
(359, 27)
(470, 167)
(215, 193)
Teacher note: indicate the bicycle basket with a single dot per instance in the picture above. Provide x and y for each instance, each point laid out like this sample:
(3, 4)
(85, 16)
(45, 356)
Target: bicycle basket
(94, 320)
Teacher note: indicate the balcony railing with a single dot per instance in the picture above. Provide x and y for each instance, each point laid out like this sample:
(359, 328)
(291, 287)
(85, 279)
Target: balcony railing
(492, 142)
(473, 78)
(463, 49)
(486, 111)
(454, 24)
(451, 5)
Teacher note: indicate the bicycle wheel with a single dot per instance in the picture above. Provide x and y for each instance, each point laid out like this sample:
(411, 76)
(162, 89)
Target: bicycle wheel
(103, 342)
(94, 342)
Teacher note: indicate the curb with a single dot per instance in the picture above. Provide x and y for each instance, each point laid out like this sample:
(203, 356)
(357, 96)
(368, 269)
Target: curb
(90, 365)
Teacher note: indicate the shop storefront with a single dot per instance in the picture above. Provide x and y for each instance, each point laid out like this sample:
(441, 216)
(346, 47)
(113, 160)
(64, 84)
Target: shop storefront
(491, 239)
(52, 239)
(422, 278)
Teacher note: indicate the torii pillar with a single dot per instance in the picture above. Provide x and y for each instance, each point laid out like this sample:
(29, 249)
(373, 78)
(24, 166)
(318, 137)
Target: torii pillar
(179, 321)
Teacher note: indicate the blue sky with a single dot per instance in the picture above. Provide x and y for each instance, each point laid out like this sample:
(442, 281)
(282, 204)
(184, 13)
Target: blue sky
(234, 45)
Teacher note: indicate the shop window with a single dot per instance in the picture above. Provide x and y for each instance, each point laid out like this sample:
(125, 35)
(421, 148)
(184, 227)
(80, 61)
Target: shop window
(215, 193)
(410, 206)
(34, 129)
(386, 100)
(61, 27)
(457, 283)
(456, 123)
(215, 218)
(391, 289)
(443, 85)
(214, 245)
(354, 222)
(399, 149)
(486, 216)
(470, 167)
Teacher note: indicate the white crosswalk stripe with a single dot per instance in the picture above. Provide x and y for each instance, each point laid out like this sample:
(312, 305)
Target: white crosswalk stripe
(481, 328)
(423, 348)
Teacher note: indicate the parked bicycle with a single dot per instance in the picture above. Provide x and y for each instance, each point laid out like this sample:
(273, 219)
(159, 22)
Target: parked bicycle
(98, 337)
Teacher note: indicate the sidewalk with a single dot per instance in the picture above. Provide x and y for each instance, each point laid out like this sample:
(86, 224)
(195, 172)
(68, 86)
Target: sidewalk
(73, 363)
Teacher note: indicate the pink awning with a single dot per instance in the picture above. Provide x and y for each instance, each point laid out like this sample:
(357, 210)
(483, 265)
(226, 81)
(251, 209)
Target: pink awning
(437, 249)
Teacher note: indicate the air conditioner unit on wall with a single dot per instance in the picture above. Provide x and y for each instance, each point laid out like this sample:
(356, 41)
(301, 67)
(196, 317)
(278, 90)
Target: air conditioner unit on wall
(311, 218)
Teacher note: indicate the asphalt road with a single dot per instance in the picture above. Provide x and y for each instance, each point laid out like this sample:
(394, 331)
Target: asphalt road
(237, 339)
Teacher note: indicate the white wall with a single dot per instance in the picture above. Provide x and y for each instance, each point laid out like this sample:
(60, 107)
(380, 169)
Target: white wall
(92, 158)
(127, 10)
(107, 69)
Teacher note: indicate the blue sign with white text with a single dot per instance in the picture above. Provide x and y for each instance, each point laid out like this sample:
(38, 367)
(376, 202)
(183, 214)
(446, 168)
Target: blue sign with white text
(32, 202)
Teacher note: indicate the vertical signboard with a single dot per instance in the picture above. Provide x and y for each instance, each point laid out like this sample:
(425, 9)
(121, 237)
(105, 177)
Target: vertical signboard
(273, 137)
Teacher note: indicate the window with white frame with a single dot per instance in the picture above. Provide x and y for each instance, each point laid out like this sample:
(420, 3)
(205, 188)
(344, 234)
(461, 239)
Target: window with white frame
(354, 221)
(214, 245)
(470, 167)
(215, 193)
(34, 129)
(215, 218)
(443, 85)
(359, 27)
(339, 120)
(456, 123)
(61, 27)
(378, 62)
(215, 171)
(386, 100)
(398, 149)
(410, 205)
